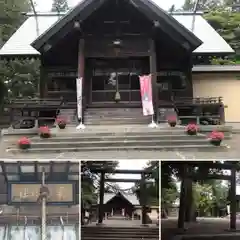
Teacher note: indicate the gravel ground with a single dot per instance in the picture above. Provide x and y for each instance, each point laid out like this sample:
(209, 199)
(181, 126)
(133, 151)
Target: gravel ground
(202, 226)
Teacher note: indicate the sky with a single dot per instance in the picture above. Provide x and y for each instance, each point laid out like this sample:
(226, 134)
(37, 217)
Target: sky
(45, 5)
(129, 165)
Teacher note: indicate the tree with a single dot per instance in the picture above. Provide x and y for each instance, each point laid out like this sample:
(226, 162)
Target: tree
(203, 5)
(11, 17)
(174, 170)
(21, 77)
(60, 6)
(227, 23)
(172, 8)
(203, 198)
(152, 187)
(90, 181)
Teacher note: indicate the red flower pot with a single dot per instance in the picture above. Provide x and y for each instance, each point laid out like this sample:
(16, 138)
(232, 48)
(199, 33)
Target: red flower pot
(172, 124)
(172, 121)
(62, 125)
(24, 143)
(61, 122)
(192, 129)
(44, 132)
(215, 142)
(216, 138)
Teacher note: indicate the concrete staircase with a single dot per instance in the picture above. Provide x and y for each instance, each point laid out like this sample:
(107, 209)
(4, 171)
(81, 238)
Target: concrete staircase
(119, 233)
(115, 116)
(114, 138)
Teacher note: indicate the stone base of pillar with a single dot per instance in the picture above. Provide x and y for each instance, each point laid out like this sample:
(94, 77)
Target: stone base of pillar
(100, 224)
(231, 230)
(144, 225)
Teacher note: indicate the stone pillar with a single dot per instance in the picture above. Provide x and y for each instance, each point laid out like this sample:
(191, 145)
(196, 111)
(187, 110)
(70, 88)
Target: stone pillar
(233, 202)
(143, 199)
(101, 197)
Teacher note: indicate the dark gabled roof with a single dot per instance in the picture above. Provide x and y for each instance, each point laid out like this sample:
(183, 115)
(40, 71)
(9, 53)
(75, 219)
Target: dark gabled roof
(131, 198)
(86, 8)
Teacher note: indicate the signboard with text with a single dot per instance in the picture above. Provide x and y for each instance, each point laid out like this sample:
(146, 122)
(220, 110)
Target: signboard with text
(28, 193)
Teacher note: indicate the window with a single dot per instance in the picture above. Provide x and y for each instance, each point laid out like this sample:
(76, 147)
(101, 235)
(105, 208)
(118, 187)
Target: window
(174, 80)
(178, 82)
(98, 82)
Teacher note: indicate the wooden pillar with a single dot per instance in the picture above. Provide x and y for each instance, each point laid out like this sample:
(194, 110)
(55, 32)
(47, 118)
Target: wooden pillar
(81, 60)
(182, 206)
(143, 200)
(233, 202)
(43, 88)
(101, 197)
(153, 72)
(81, 70)
(221, 111)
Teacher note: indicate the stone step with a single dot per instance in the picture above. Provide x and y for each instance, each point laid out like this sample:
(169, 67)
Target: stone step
(118, 130)
(119, 122)
(122, 137)
(105, 228)
(71, 144)
(69, 115)
(113, 118)
(118, 238)
(107, 109)
(108, 113)
(116, 233)
(203, 148)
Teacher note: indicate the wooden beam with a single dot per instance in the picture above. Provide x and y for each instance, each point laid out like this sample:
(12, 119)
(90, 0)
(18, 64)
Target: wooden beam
(233, 202)
(121, 180)
(81, 69)
(101, 197)
(143, 199)
(81, 59)
(182, 206)
(123, 171)
(198, 176)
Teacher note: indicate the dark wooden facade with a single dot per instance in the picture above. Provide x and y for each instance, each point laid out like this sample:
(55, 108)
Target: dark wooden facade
(116, 204)
(111, 50)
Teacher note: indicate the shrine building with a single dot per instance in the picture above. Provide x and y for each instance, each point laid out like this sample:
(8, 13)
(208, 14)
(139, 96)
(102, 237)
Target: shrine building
(109, 44)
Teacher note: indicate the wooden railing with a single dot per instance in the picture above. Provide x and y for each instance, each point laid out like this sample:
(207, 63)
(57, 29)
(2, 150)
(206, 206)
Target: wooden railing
(198, 101)
(30, 109)
(197, 108)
